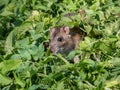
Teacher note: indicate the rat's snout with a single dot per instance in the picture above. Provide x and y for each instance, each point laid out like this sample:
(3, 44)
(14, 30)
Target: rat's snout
(52, 50)
(52, 47)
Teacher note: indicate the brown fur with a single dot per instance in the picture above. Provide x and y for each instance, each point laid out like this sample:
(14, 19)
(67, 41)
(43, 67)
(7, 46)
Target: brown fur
(70, 39)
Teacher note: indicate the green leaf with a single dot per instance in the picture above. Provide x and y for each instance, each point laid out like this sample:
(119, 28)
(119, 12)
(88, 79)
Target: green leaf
(105, 48)
(7, 13)
(33, 50)
(60, 86)
(41, 51)
(3, 2)
(95, 6)
(15, 56)
(24, 54)
(71, 55)
(4, 80)
(111, 83)
(14, 35)
(89, 62)
(9, 42)
(86, 44)
(118, 44)
(42, 7)
(19, 81)
(35, 87)
(9, 65)
(22, 43)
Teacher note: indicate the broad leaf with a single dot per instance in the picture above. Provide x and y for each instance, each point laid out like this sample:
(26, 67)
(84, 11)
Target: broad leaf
(4, 80)
(9, 65)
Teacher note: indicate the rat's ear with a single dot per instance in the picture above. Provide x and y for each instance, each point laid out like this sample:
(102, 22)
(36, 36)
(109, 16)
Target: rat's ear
(66, 30)
(52, 31)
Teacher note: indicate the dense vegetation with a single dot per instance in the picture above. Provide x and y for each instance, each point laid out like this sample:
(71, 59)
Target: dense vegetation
(26, 64)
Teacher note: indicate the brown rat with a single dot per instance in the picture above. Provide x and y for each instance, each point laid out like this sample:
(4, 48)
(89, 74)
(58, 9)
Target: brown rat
(64, 39)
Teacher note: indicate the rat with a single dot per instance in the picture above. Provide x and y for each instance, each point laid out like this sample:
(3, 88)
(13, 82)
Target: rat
(63, 40)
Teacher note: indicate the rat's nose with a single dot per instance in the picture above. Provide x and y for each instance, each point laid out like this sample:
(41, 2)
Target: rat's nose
(52, 49)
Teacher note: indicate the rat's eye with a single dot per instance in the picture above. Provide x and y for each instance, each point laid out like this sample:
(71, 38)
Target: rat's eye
(60, 39)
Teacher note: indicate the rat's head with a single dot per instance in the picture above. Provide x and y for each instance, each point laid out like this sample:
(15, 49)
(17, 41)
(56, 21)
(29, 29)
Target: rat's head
(61, 40)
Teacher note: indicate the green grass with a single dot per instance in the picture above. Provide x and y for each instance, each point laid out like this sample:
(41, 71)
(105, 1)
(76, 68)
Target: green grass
(25, 64)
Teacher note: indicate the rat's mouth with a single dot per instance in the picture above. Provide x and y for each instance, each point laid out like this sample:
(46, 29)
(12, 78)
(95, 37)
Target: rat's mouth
(52, 50)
